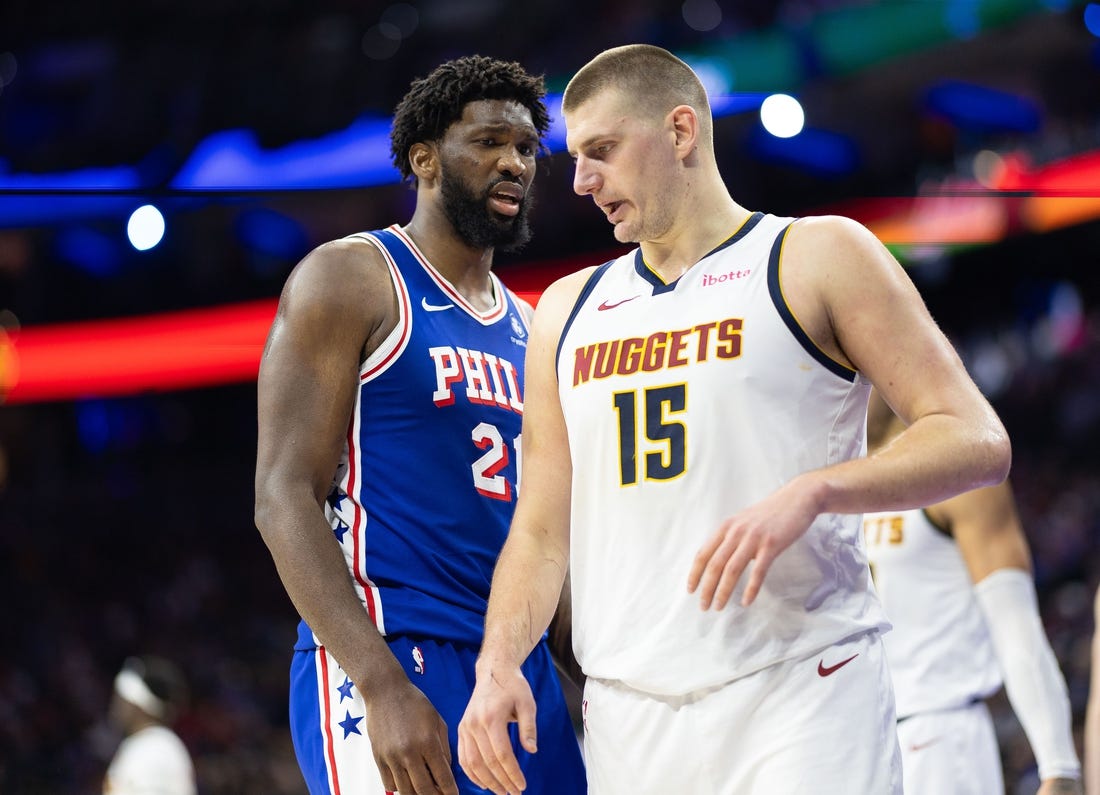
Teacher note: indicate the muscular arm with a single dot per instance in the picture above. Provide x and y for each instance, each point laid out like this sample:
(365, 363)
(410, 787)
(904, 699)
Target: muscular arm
(871, 317)
(561, 626)
(528, 579)
(531, 570)
(860, 308)
(987, 528)
(337, 304)
(306, 390)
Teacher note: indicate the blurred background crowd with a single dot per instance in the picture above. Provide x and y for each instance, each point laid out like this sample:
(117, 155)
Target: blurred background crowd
(966, 133)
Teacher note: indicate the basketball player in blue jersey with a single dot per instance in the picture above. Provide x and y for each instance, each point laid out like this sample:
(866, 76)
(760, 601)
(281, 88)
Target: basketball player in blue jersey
(955, 581)
(694, 440)
(391, 393)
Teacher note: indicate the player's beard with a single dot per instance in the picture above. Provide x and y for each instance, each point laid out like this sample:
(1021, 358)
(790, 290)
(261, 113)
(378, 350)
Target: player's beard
(479, 226)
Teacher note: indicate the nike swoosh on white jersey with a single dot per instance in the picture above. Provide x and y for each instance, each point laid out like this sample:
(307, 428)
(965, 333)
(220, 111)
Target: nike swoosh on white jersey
(435, 307)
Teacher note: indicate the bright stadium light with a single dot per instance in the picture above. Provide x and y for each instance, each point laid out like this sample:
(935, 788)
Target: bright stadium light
(145, 227)
(782, 115)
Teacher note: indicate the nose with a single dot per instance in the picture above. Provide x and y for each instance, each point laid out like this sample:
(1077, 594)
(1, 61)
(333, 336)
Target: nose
(512, 163)
(585, 178)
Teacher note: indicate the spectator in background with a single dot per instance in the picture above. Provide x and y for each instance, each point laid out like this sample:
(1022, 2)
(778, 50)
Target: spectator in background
(149, 693)
(955, 579)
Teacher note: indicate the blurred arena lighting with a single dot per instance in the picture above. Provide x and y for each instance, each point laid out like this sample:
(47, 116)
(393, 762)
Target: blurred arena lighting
(1064, 328)
(820, 152)
(89, 249)
(981, 109)
(1092, 18)
(782, 57)
(988, 167)
(782, 115)
(20, 210)
(175, 350)
(114, 178)
(145, 229)
(9, 364)
(381, 41)
(223, 345)
(357, 156)
(271, 234)
(962, 19)
(402, 16)
(1060, 194)
(9, 65)
(701, 15)
(233, 160)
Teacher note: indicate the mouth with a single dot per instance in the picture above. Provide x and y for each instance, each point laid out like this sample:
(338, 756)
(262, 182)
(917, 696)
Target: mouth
(611, 209)
(506, 198)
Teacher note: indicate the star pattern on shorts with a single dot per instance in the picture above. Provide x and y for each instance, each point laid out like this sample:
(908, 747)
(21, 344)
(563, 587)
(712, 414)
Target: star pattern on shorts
(345, 689)
(339, 530)
(350, 725)
(335, 497)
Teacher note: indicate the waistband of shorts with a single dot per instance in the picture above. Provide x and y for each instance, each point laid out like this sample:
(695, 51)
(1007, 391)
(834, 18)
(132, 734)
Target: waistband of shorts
(974, 701)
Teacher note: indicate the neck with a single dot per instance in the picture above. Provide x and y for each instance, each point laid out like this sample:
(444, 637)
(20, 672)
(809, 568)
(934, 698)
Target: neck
(464, 266)
(701, 226)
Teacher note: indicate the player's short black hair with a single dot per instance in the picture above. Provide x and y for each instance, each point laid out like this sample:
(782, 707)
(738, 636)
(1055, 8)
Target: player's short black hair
(435, 102)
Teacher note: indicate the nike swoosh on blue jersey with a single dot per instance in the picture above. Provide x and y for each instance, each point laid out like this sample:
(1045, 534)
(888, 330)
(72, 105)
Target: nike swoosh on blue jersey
(435, 307)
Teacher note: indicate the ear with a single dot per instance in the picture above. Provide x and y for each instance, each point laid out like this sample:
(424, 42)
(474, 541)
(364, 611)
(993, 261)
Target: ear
(685, 128)
(424, 161)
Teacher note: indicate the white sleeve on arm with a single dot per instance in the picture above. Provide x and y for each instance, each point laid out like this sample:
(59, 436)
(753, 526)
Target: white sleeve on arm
(1033, 681)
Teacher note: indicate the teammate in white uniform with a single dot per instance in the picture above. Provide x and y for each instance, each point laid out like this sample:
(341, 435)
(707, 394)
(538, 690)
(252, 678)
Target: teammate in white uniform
(694, 409)
(955, 579)
(151, 759)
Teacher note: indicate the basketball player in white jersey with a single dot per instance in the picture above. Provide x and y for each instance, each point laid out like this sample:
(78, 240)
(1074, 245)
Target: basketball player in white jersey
(694, 453)
(148, 694)
(955, 580)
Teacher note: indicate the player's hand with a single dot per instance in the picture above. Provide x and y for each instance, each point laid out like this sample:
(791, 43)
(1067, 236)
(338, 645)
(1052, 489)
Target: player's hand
(501, 696)
(409, 741)
(1060, 786)
(758, 534)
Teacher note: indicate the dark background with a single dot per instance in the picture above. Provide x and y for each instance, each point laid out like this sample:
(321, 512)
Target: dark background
(126, 523)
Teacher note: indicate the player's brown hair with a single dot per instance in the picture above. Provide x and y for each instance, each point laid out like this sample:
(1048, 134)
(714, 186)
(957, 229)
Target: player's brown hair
(651, 78)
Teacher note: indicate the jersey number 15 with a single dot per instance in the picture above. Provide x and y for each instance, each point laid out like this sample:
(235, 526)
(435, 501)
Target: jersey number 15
(667, 441)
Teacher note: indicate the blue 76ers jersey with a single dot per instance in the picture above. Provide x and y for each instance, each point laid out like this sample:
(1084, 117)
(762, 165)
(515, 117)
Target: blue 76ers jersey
(423, 496)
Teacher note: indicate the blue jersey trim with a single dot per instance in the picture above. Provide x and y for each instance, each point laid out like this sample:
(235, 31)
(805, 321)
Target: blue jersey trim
(589, 286)
(658, 283)
(789, 319)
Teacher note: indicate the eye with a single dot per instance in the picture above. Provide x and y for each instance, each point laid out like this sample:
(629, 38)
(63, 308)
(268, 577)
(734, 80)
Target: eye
(527, 149)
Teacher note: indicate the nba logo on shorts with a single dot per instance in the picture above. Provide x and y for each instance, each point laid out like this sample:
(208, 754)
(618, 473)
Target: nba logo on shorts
(418, 658)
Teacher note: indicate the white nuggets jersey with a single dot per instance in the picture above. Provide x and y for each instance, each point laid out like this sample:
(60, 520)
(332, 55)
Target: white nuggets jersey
(939, 651)
(685, 403)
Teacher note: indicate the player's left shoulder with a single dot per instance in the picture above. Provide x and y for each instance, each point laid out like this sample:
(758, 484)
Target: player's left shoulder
(828, 239)
(842, 258)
